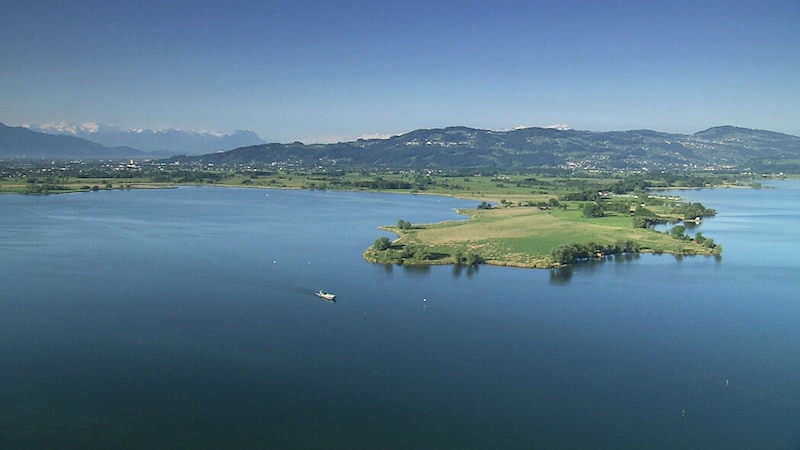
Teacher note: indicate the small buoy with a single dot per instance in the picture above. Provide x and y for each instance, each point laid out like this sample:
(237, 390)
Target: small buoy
(424, 300)
(727, 382)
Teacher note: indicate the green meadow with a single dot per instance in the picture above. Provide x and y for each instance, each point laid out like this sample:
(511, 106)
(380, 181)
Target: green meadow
(522, 237)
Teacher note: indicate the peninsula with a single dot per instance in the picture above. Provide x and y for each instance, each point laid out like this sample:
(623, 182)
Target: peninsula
(547, 235)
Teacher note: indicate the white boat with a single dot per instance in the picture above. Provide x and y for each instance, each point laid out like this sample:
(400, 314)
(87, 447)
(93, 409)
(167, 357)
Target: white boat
(326, 296)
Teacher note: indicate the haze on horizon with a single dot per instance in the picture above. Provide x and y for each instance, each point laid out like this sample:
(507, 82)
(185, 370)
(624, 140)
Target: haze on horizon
(339, 70)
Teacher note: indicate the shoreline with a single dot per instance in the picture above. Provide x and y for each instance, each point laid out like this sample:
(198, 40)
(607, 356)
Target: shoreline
(496, 254)
(514, 265)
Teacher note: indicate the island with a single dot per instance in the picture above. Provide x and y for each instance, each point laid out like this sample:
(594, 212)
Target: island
(552, 233)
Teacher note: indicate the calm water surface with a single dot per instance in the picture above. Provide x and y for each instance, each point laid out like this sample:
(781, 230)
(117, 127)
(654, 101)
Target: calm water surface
(185, 319)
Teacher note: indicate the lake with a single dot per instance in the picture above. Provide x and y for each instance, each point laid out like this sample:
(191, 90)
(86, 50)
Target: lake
(185, 318)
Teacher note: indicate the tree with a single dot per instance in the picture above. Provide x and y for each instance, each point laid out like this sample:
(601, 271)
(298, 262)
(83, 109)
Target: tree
(568, 253)
(564, 254)
(473, 259)
(469, 258)
(403, 225)
(382, 243)
(692, 210)
(644, 212)
(593, 209)
(678, 231)
(415, 252)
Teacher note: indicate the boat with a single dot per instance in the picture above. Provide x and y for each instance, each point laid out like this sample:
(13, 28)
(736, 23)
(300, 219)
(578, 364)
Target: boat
(326, 296)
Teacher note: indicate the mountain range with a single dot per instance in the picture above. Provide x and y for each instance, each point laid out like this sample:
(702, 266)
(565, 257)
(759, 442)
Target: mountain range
(20, 142)
(718, 148)
(163, 143)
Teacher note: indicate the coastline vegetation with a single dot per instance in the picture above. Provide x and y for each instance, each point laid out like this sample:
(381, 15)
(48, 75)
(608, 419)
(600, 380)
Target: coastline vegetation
(535, 237)
(542, 219)
(48, 177)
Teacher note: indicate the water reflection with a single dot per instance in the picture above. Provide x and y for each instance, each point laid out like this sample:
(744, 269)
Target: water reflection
(562, 275)
(459, 269)
(425, 269)
(627, 257)
(691, 225)
(416, 269)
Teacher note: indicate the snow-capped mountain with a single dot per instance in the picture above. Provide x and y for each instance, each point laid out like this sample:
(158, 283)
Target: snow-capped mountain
(163, 142)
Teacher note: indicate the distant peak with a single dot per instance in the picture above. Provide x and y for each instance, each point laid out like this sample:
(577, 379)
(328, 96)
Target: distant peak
(557, 126)
(64, 127)
(167, 140)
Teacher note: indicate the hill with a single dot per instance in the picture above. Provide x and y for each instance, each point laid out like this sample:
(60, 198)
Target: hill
(22, 143)
(719, 148)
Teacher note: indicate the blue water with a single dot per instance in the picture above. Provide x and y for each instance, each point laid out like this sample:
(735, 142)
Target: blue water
(185, 318)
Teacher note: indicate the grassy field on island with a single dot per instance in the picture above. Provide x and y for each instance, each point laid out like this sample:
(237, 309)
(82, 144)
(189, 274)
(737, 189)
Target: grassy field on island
(526, 237)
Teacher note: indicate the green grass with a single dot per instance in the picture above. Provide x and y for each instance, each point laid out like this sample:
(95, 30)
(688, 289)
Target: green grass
(525, 237)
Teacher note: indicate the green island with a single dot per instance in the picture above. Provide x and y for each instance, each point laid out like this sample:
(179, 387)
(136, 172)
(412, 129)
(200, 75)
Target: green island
(545, 219)
(543, 231)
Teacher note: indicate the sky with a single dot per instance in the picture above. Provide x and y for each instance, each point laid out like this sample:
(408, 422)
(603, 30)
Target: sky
(336, 70)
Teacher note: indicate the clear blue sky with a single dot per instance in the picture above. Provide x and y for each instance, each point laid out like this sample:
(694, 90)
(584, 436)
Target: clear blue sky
(322, 70)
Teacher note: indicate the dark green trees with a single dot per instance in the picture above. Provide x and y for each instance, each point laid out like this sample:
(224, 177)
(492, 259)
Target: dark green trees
(678, 232)
(645, 221)
(467, 259)
(569, 253)
(593, 209)
(382, 243)
(692, 210)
